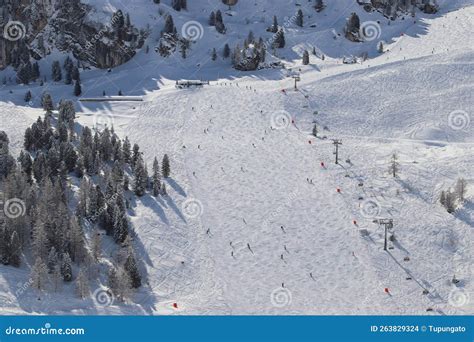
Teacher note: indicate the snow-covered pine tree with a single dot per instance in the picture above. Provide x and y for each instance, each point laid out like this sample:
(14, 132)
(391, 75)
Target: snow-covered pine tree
(169, 25)
(76, 241)
(132, 269)
(352, 27)
(394, 167)
(156, 178)
(77, 88)
(66, 268)
(28, 96)
(163, 191)
(56, 74)
(39, 275)
(460, 189)
(141, 177)
(279, 39)
(380, 47)
(56, 278)
(274, 27)
(442, 198)
(299, 18)
(319, 5)
(47, 102)
(96, 243)
(165, 166)
(40, 241)
(82, 284)
(53, 259)
(450, 202)
(15, 250)
(219, 23)
(305, 57)
(226, 51)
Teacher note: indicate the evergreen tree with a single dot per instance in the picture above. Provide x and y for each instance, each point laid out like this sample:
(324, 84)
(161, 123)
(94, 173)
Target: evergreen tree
(169, 25)
(132, 269)
(24, 73)
(165, 166)
(66, 269)
(56, 74)
(47, 102)
(82, 284)
(219, 23)
(279, 41)
(77, 88)
(163, 189)
(40, 241)
(212, 19)
(460, 189)
(352, 27)
(39, 275)
(319, 5)
(226, 51)
(299, 18)
(113, 281)
(380, 47)
(35, 71)
(442, 198)
(26, 164)
(315, 130)
(53, 259)
(15, 249)
(274, 27)
(450, 202)
(68, 77)
(27, 96)
(126, 149)
(156, 178)
(141, 177)
(394, 165)
(214, 54)
(56, 278)
(305, 57)
(96, 245)
(135, 155)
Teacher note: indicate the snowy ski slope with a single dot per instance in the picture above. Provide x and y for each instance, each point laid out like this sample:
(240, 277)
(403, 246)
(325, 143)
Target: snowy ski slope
(253, 214)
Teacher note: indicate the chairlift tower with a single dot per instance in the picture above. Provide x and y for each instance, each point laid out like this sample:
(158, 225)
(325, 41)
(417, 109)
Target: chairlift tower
(297, 78)
(336, 143)
(388, 224)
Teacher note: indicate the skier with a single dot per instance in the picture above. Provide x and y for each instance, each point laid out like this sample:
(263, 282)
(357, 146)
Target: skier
(282, 229)
(286, 249)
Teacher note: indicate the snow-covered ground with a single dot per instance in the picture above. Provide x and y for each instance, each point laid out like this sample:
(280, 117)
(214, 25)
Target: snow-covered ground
(256, 219)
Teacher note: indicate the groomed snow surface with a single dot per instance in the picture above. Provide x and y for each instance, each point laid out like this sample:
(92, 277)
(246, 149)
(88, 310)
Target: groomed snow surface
(252, 213)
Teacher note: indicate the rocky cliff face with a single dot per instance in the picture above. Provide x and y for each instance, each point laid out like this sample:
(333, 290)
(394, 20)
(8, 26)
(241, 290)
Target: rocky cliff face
(34, 28)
